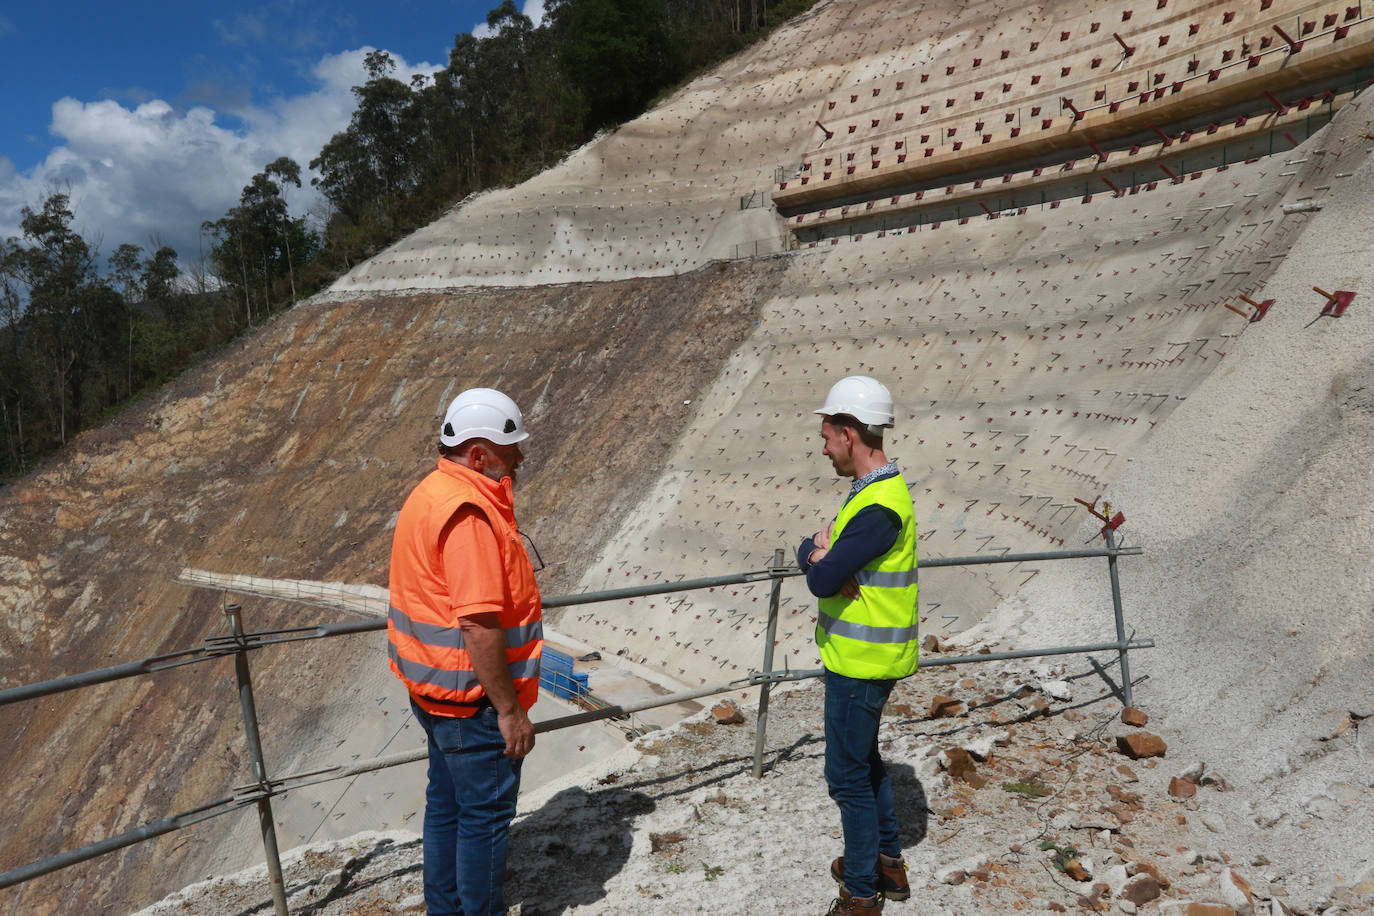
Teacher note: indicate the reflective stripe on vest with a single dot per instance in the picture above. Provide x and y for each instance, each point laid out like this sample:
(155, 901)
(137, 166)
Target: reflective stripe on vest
(836, 627)
(452, 637)
(900, 579)
(875, 636)
(456, 680)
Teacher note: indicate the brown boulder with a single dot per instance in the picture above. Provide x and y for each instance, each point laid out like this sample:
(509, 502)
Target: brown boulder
(1131, 800)
(930, 644)
(1140, 890)
(1182, 788)
(960, 765)
(727, 713)
(943, 707)
(1075, 870)
(1133, 717)
(1141, 744)
(1151, 869)
(1208, 909)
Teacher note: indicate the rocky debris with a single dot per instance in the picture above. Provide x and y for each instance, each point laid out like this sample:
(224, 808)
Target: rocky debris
(1078, 870)
(1057, 690)
(1182, 788)
(727, 712)
(930, 643)
(979, 745)
(1141, 889)
(960, 765)
(1133, 717)
(685, 827)
(1235, 892)
(959, 872)
(943, 707)
(1138, 745)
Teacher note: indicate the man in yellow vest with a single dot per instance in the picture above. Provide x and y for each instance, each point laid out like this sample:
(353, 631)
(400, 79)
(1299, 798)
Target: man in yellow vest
(465, 636)
(863, 571)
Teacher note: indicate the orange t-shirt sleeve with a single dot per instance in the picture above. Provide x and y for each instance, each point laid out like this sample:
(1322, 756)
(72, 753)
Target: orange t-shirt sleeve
(472, 564)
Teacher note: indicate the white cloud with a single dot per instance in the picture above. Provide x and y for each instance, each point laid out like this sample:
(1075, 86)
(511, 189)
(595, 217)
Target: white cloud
(150, 169)
(533, 9)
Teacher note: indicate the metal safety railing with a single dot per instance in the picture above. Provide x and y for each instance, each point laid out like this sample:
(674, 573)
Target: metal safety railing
(263, 788)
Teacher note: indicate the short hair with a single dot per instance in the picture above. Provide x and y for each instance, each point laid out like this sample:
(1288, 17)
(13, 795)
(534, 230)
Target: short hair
(454, 452)
(868, 434)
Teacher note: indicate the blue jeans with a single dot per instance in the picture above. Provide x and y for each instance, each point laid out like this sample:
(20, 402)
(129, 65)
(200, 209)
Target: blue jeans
(469, 804)
(857, 778)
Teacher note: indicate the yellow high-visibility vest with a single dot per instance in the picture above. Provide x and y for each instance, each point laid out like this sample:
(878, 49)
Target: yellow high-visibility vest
(875, 636)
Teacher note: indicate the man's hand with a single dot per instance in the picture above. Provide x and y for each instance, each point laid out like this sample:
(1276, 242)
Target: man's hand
(850, 589)
(486, 644)
(822, 538)
(518, 731)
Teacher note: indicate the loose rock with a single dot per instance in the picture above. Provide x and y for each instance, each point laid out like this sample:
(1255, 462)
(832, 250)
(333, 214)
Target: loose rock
(1235, 892)
(1138, 745)
(943, 707)
(1140, 890)
(727, 713)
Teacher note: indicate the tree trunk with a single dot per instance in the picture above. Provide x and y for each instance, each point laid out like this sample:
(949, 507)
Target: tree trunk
(290, 269)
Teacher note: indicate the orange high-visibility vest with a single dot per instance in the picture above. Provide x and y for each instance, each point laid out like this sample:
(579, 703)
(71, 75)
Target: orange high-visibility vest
(425, 641)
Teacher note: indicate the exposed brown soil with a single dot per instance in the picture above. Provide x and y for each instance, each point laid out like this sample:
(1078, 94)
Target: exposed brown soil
(287, 455)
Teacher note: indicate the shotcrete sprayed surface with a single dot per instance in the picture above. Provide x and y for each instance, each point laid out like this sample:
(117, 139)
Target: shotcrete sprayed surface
(1034, 358)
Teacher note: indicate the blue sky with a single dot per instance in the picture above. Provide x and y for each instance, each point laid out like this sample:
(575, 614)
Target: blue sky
(153, 116)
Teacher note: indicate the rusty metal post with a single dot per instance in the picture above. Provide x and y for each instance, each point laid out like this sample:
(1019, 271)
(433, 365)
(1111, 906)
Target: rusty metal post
(1110, 534)
(770, 637)
(250, 730)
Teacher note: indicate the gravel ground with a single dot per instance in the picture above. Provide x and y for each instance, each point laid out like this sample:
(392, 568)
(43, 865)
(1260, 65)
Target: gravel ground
(678, 824)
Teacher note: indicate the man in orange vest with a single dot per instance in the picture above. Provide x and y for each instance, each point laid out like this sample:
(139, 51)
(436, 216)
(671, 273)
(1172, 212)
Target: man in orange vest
(465, 635)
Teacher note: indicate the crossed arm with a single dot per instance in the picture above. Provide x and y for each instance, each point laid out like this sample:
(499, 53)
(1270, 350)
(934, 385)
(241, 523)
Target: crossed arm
(830, 567)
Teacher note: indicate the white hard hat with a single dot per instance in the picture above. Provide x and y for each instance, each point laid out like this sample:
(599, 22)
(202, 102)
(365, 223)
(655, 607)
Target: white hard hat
(865, 399)
(482, 413)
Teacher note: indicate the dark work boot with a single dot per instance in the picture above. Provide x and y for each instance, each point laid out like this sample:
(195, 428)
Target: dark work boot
(892, 880)
(848, 905)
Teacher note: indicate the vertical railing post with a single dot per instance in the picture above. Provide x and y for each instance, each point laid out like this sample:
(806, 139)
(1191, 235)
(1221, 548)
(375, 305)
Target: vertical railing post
(770, 637)
(1121, 650)
(250, 730)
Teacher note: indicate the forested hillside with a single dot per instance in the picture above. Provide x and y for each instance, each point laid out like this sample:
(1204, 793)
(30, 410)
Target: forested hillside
(83, 332)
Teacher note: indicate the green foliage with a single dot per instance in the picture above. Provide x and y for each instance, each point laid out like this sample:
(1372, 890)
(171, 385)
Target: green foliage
(1031, 787)
(510, 104)
(674, 867)
(712, 872)
(1063, 855)
(75, 344)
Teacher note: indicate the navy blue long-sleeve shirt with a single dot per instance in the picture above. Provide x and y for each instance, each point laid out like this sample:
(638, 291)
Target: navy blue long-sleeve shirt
(869, 534)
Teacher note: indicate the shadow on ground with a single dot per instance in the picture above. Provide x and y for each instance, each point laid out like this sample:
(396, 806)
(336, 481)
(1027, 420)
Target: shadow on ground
(563, 855)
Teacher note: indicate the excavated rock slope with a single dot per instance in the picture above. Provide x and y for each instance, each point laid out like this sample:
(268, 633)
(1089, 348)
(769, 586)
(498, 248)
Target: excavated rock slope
(289, 455)
(1033, 357)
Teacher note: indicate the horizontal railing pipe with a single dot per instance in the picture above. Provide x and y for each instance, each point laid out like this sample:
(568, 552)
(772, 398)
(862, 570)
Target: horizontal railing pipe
(220, 646)
(128, 838)
(106, 675)
(983, 560)
(1037, 653)
(302, 780)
